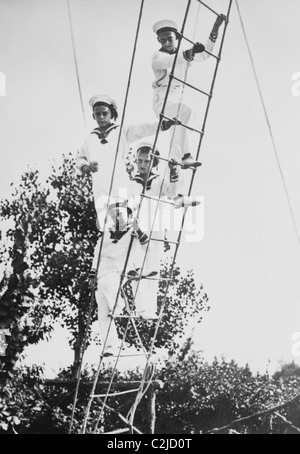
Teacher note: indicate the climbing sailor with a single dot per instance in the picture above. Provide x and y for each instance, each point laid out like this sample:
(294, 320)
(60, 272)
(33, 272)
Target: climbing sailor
(162, 63)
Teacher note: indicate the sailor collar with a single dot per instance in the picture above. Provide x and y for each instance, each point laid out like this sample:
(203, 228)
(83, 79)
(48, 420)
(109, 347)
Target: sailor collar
(117, 235)
(103, 135)
(167, 52)
(139, 179)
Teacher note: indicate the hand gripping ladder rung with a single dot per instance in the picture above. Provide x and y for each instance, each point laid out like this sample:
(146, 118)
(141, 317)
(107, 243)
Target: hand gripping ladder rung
(205, 50)
(181, 124)
(172, 161)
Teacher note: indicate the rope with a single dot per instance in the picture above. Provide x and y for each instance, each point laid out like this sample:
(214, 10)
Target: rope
(119, 138)
(76, 63)
(105, 221)
(269, 127)
(289, 423)
(256, 415)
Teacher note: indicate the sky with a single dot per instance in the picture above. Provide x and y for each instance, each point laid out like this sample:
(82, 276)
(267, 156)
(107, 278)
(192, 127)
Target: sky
(249, 257)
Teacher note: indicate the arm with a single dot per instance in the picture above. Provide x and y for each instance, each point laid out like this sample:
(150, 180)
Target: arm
(93, 270)
(200, 55)
(82, 159)
(83, 162)
(163, 60)
(140, 130)
(170, 184)
(142, 237)
(96, 255)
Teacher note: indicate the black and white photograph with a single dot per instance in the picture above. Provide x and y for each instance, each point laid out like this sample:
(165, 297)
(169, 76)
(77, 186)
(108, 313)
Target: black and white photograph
(149, 219)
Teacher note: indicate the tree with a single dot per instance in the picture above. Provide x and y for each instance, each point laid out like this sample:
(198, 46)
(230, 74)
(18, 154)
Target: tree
(59, 238)
(182, 302)
(198, 397)
(16, 291)
(287, 371)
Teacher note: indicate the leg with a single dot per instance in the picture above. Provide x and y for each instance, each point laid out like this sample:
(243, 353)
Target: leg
(147, 289)
(179, 144)
(146, 299)
(106, 296)
(179, 134)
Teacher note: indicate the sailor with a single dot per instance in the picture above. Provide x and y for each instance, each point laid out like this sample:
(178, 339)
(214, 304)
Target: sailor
(162, 63)
(120, 228)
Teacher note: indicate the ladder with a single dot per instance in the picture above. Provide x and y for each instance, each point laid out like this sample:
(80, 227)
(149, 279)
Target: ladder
(130, 318)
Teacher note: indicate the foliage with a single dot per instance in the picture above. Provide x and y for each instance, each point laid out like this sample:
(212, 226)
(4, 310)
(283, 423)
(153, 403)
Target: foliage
(287, 371)
(20, 401)
(54, 232)
(196, 397)
(57, 226)
(182, 303)
(199, 397)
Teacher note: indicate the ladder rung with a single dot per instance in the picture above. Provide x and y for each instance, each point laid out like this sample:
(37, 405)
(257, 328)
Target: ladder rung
(126, 316)
(164, 241)
(160, 279)
(135, 278)
(128, 355)
(117, 393)
(206, 51)
(185, 126)
(157, 199)
(191, 86)
(208, 7)
(117, 431)
(212, 55)
(167, 160)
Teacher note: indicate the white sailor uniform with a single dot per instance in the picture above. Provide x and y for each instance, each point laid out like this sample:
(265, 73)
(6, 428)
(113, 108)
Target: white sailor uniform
(101, 147)
(162, 63)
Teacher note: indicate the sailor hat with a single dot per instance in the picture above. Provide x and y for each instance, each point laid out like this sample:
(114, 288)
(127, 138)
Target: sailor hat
(146, 142)
(103, 99)
(164, 25)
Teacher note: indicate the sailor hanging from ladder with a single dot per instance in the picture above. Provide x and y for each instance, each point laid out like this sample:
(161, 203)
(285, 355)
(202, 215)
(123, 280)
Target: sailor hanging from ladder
(158, 187)
(162, 63)
(151, 177)
(117, 237)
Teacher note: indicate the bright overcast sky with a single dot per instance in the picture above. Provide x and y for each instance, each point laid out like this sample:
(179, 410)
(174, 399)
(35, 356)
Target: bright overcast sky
(249, 258)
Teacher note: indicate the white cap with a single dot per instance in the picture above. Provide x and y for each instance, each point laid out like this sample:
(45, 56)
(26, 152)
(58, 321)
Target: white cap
(103, 99)
(145, 142)
(162, 24)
